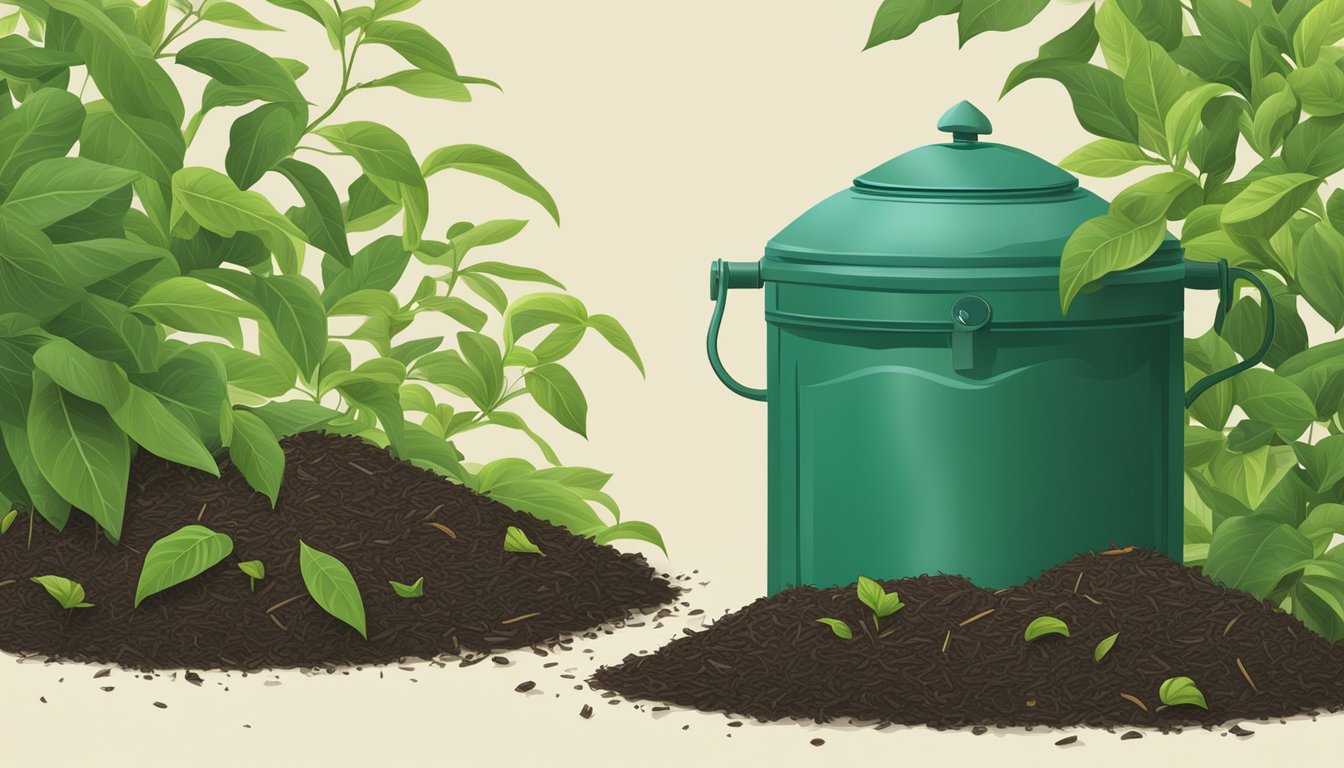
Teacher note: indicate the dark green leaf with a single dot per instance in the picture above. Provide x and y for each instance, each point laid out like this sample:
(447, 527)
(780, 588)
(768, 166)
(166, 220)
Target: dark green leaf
(321, 220)
(1156, 20)
(48, 503)
(1249, 435)
(294, 308)
(45, 126)
(1227, 26)
(153, 427)
(1323, 462)
(238, 64)
(259, 140)
(290, 417)
(1098, 95)
(1076, 43)
(181, 555)
(212, 200)
(189, 304)
(332, 587)
(82, 374)
(21, 59)
(368, 207)
(29, 280)
(1320, 272)
(125, 70)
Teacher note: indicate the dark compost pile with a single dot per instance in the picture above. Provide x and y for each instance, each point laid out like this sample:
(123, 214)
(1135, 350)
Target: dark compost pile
(385, 519)
(955, 655)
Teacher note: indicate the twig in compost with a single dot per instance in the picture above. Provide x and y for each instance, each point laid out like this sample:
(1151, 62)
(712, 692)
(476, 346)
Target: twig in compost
(1091, 599)
(979, 615)
(1078, 581)
(6, 582)
(282, 627)
(1230, 623)
(440, 526)
(524, 617)
(282, 603)
(1120, 551)
(947, 639)
(1135, 701)
(201, 514)
(1246, 675)
(365, 470)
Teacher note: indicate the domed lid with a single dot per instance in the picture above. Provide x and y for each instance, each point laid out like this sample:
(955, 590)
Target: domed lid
(966, 165)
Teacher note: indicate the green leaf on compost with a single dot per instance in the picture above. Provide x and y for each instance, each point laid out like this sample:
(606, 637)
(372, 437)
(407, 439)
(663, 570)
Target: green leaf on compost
(256, 452)
(1103, 647)
(332, 587)
(631, 530)
(516, 541)
(70, 594)
(8, 520)
(181, 555)
(416, 589)
(1181, 690)
(840, 628)
(1045, 625)
(254, 569)
(491, 164)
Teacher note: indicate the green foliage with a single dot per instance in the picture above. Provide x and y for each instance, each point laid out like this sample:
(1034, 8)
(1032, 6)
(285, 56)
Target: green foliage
(1104, 647)
(878, 600)
(110, 245)
(1181, 690)
(415, 589)
(70, 594)
(515, 540)
(254, 569)
(839, 628)
(1263, 494)
(181, 555)
(332, 587)
(7, 521)
(1045, 625)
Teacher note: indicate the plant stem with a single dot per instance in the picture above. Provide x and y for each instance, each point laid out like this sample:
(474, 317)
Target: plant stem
(30, 529)
(347, 66)
(177, 31)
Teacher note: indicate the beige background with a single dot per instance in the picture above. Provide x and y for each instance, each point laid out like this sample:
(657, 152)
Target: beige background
(671, 133)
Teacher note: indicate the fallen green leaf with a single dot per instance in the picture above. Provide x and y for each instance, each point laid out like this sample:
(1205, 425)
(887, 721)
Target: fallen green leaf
(70, 594)
(254, 569)
(8, 520)
(1103, 647)
(840, 628)
(1181, 690)
(516, 541)
(1045, 625)
(179, 556)
(332, 587)
(416, 589)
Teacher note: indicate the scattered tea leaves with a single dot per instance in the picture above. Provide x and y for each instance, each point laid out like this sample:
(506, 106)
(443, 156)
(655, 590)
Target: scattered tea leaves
(1045, 625)
(840, 628)
(187, 552)
(416, 589)
(516, 541)
(1181, 690)
(70, 594)
(332, 586)
(1103, 647)
(254, 569)
(8, 520)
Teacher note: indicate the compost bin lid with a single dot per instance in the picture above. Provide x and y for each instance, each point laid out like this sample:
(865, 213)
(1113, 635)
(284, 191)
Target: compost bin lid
(961, 203)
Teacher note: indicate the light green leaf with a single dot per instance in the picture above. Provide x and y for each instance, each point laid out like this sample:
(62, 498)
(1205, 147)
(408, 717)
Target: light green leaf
(1181, 690)
(1276, 115)
(1267, 396)
(80, 451)
(1104, 647)
(1323, 523)
(1323, 462)
(23, 60)
(257, 454)
(615, 334)
(212, 200)
(413, 43)
(368, 303)
(897, 19)
(380, 151)
(320, 11)
(512, 272)
(553, 387)
(153, 427)
(190, 304)
(494, 165)
(1320, 272)
(416, 589)
(1098, 95)
(253, 568)
(48, 503)
(1118, 37)
(869, 592)
(632, 530)
(1103, 245)
(427, 85)
(1249, 435)
(45, 126)
(1266, 204)
(515, 540)
(979, 16)
(839, 628)
(483, 355)
(1321, 26)
(1316, 146)
(235, 63)
(1045, 625)
(514, 421)
(82, 374)
(1254, 553)
(383, 8)
(233, 15)
(181, 555)
(1153, 85)
(52, 189)
(1107, 157)
(1183, 119)
(8, 520)
(332, 587)
(1249, 477)
(290, 417)
(1319, 87)
(70, 594)
(294, 308)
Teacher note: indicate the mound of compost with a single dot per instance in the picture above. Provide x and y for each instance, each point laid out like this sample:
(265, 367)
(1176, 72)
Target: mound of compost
(384, 518)
(956, 656)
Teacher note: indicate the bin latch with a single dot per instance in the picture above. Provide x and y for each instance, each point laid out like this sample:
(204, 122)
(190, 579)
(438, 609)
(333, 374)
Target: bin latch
(969, 314)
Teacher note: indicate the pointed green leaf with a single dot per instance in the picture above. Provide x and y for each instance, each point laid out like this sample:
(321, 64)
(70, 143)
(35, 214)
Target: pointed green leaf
(1254, 553)
(413, 43)
(332, 587)
(494, 165)
(50, 190)
(29, 280)
(1103, 245)
(1181, 690)
(212, 200)
(181, 555)
(1322, 524)
(379, 150)
(257, 454)
(294, 308)
(233, 15)
(839, 628)
(1267, 396)
(321, 220)
(1107, 157)
(1104, 647)
(554, 388)
(979, 16)
(233, 62)
(897, 19)
(258, 141)
(515, 540)
(632, 530)
(255, 569)
(70, 594)
(1321, 26)
(153, 427)
(415, 589)
(1098, 95)
(82, 374)
(615, 334)
(190, 304)
(1320, 272)
(1045, 625)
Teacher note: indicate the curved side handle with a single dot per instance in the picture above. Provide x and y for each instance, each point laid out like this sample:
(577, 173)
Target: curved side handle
(723, 276)
(1222, 277)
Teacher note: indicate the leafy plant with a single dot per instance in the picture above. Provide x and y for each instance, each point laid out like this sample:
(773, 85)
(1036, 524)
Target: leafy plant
(1181, 690)
(840, 628)
(516, 541)
(255, 569)
(106, 255)
(1104, 647)
(70, 594)
(1045, 625)
(332, 587)
(1180, 88)
(417, 589)
(8, 520)
(181, 555)
(881, 602)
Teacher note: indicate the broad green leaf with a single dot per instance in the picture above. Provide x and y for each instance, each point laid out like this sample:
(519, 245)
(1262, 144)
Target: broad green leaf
(368, 206)
(258, 141)
(483, 355)
(380, 151)
(212, 200)
(615, 334)
(1249, 435)
(1183, 121)
(151, 22)
(1227, 26)
(23, 60)
(332, 587)
(514, 421)
(1045, 625)
(425, 450)
(897, 19)
(290, 417)
(1323, 523)
(1250, 477)
(485, 233)
(1103, 245)
(153, 427)
(1320, 88)
(536, 310)
(367, 302)
(80, 451)
(233, 15)
(1181, 690)
(869, 592)
(1253, 553)
(320, 11)
(192, 385)
(494, 165)
(1078, 42)
(512, 272)
(189, 304)
(979, 16)
(181, 555)
(554, 389)
(487, 289)
(82, 374)
(1153, 85)
(52, 189)
(546, 499)
(70, 594)
(45, 126)
(16, 382)
(1323, 462)
(383, 8)
(1276, 115)
(1266, 204)
(839, 628)
(1098, 95)
(29, 280)
(238, 64)
(1320, 272)
(49, 504)
(1104, 647)
(458, 309)
(1321, 26)
(321, 220)
(413, 43)
(1153, 197)
(1266, 396)
(380, 398)
(294, 309)
(1158, 20)
(107, 329)
(415, 589)
(428, 85)
(1118, 36)
(1107, 157)
(123, 67)
(515, 540)
(255, 569)
(257, 454)
(1201, 445)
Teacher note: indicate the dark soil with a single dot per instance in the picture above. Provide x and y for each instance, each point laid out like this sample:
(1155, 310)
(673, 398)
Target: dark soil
(928, 665)
(385, 519)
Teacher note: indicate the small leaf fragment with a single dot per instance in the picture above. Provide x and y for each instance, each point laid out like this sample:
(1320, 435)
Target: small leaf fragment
(8, 520)
(416, 589)
(1181, 690)
(516, 541)
(1045, 625)
(840, 628)
(254, 569)
(70, 594)
(1104, 647)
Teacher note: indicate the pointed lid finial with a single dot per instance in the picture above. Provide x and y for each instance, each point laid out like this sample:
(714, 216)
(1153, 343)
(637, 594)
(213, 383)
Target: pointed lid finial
(965, 122)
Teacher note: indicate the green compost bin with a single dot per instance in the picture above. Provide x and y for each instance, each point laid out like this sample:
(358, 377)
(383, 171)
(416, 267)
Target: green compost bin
(931, 409)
